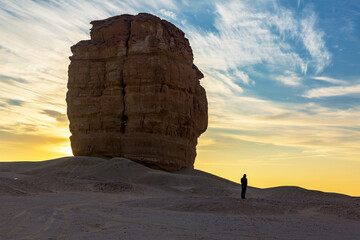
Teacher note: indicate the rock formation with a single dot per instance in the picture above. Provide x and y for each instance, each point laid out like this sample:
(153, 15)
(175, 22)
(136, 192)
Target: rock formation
(134, 92)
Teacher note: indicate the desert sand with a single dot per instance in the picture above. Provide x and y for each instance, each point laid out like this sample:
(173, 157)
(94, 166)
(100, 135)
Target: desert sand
(94, 198)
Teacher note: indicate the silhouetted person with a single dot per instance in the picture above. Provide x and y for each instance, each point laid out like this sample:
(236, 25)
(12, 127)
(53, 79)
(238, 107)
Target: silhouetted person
(243, 186)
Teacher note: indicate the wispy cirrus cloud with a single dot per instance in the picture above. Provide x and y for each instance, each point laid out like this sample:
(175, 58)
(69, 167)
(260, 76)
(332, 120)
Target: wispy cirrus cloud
(246, 34)
(353, 90)
(270, 36)
(250, 34)
(330, 80)
(306, 127)
(56, 115)
(290, 78)
(243, 38)
(314, 40)
(35, 39)
(168, 14)
(9, 79)
(14, 102)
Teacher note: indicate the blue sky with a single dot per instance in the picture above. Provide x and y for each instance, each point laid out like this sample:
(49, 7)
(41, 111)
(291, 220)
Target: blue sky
(282, 80)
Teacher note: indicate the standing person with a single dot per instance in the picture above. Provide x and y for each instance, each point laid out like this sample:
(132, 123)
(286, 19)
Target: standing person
(243, 186)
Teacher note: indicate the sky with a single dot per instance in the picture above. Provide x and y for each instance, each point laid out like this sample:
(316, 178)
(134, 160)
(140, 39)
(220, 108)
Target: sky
(282, 79)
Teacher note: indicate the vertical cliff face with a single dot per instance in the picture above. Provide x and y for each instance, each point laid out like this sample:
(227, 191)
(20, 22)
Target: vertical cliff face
(134, 92)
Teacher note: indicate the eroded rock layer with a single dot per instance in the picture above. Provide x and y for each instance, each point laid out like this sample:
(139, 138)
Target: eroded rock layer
(134, 92)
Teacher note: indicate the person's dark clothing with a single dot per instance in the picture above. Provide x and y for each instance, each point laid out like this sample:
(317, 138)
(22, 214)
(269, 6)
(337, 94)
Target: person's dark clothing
(243, 187)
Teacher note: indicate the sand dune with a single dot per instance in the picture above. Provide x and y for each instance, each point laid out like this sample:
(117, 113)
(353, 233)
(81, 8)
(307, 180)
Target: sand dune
(94, 198)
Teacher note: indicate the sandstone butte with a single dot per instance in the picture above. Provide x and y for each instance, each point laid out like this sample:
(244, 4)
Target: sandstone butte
(134, 92)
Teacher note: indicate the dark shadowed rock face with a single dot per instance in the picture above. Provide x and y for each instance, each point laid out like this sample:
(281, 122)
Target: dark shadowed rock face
(134, 92)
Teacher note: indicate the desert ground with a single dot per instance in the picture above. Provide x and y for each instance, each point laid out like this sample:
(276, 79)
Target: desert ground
(94, 198)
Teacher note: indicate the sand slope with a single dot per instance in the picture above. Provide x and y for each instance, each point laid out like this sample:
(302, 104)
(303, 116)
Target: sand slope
(94, 198)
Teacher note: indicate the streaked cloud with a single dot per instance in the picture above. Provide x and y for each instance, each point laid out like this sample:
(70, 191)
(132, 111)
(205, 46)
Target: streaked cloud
(249, 33)
(353, 90)
(313, 40)
(168, 14)
(243, 38)
(35, 39)
(291, 79)
(14, 102)
(330, 80)
(55, 114)
(8, 79)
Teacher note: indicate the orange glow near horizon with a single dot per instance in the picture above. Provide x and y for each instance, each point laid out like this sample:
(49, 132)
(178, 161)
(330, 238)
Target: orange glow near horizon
(271, 176)
(310, 174)
(266, 166)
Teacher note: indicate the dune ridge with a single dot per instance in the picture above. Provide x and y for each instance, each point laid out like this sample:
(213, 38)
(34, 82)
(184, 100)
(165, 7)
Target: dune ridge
(93, 198)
